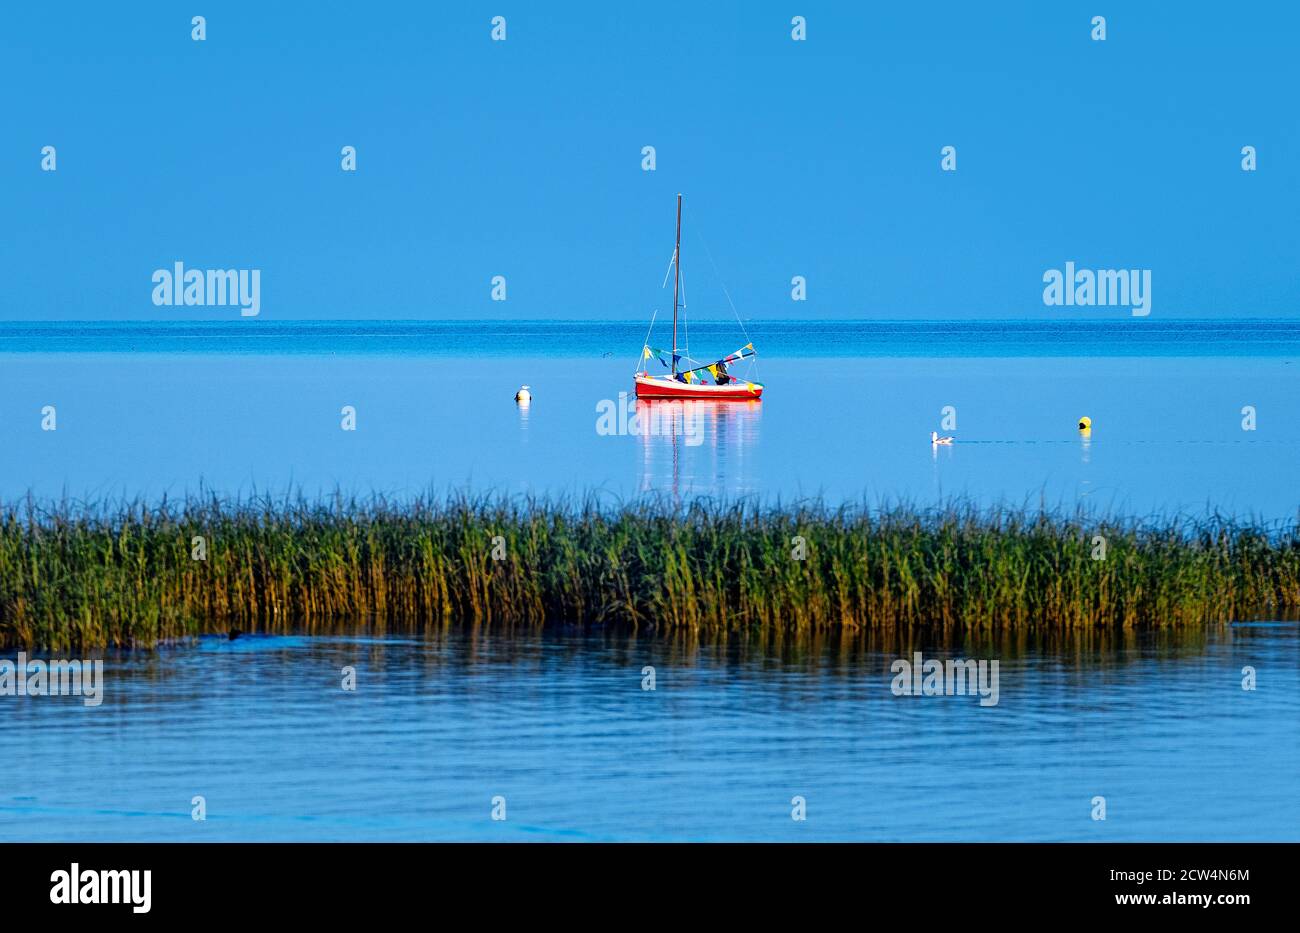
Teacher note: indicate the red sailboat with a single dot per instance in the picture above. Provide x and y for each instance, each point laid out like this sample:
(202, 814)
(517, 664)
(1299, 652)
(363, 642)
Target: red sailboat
(687, 378)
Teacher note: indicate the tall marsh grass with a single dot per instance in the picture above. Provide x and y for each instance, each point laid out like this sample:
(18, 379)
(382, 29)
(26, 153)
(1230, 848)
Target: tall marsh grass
(78, 577)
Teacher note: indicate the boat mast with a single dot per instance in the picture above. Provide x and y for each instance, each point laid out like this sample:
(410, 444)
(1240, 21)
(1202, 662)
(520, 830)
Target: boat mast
(677, 279)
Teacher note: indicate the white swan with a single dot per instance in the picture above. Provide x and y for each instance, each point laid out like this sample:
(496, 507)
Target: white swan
(523, 395)
(936, 439)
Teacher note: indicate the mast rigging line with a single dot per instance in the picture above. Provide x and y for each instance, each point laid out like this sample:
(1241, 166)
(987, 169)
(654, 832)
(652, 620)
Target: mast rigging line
(677, 261)
(640, 360)
(686, 327)
(709, 253)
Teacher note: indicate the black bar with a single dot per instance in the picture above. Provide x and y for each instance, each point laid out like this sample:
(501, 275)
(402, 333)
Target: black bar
(548, 881)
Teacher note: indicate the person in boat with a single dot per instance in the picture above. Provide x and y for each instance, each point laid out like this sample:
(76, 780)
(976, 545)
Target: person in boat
(722, 378)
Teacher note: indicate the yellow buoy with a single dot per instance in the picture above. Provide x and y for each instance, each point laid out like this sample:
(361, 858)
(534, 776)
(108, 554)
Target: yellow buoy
(1085, 424)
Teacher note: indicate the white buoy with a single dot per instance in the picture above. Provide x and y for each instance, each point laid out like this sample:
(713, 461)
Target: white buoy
(936, 439)
(523, 395)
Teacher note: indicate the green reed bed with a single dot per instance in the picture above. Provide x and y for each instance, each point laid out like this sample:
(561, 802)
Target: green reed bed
(80, 577)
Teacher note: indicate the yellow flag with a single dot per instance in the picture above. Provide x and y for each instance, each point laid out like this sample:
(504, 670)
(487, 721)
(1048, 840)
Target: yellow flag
(714, 371)
(646, 351)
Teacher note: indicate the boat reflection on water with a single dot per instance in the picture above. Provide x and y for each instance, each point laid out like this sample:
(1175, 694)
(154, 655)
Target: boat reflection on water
(696, 447)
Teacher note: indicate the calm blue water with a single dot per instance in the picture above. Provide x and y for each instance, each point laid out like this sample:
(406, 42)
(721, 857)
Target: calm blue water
(558, 724)
(238, 407)
(560, 727)
(1124, 337)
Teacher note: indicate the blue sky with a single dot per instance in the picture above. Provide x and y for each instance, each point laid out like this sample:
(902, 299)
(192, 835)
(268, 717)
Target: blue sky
(523, 158)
